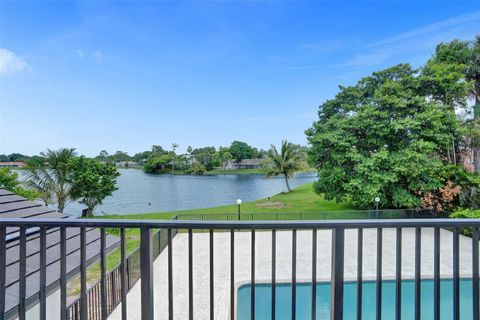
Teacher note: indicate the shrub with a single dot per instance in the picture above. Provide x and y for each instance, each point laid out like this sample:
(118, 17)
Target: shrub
(466, 214)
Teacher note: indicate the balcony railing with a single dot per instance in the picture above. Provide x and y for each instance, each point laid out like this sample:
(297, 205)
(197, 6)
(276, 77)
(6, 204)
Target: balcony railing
(341, 238)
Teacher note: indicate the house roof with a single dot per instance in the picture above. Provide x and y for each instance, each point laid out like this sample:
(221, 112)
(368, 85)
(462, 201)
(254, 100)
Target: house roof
(248, 161)
(14, 206)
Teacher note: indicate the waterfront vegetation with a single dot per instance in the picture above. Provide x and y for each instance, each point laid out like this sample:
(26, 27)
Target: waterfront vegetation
(404, 135)
(237, 171)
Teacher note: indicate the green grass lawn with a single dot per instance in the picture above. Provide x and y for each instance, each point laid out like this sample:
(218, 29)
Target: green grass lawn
(302, 199)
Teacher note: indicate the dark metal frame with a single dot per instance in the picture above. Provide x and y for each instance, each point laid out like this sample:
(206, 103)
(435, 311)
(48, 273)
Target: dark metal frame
(338, 246)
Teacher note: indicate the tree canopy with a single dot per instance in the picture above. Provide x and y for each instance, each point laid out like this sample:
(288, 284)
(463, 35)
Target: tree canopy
(286, 162)
(241, 150)
(9, 181)
(50, 177)
(386, 137)
(92, 181)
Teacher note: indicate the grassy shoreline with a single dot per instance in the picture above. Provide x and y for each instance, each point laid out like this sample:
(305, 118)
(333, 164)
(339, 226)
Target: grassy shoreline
(301, 199)
(221, 172)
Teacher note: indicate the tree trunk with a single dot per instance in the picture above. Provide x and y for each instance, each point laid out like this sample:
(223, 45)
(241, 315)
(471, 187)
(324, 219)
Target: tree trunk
(476, 108)
(86, 213)
(454, 153)
(476, 158)
(61, 206)
(286, 181)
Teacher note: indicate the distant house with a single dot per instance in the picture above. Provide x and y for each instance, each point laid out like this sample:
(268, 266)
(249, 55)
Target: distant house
(244, 164)
(14, 206)
(127, 164)
(12, 164)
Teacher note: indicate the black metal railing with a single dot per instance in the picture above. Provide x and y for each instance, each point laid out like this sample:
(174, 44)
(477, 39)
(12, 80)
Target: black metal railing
(114, 279)
(253, 228)
(324, 215)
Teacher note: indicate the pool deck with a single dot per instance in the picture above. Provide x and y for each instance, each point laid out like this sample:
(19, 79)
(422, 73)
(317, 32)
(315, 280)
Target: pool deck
(284, 265)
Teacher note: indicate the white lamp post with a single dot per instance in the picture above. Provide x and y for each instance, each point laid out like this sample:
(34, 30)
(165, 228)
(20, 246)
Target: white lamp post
(239, 202)
(377, 201)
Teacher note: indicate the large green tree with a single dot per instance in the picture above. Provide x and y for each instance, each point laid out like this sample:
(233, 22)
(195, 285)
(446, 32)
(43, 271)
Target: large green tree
(465, 57)
(206, 157)
(383, 137)
(286, 162)
(222, 156)
(91, 182)
(50, 178)
(158, 163)
(455, 71)
(241, 150)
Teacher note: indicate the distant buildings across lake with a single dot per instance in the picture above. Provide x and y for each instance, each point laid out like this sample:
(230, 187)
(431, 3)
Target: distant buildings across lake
(244, 164)
(12, 164)
(128, 164)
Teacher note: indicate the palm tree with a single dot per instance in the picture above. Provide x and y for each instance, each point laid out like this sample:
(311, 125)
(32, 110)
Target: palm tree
(285, 163)
(50, 178)
(174, 155)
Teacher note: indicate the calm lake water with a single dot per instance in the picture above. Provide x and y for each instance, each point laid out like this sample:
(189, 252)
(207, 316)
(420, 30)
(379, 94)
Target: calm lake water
(139, 192)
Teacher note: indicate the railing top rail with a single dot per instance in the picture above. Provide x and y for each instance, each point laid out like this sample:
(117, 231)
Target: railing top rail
(257, 224)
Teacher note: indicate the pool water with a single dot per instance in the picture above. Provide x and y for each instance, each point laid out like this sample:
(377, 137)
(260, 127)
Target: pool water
(304, 295)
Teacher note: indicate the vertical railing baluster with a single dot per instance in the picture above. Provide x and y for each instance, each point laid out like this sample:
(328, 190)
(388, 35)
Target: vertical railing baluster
(436, 273)
(146, 273)
(190, 274)
(103, 281)
(63, 273)
(129, 274)
(232, 274)
(456, 276)
(398, 275)
(378, 285)
(123, 278)
(113, 283)
(97, 302)
(90, 304)
(294, 274)
(170, 274)
(212, 280)
(43, 274)
(338, 255)
(83, 274)
(475, 276)
(3, 267)
(418, 265)
(252, 276)
(359, 273)
(314, 274)
(22, 275)
(274, 272)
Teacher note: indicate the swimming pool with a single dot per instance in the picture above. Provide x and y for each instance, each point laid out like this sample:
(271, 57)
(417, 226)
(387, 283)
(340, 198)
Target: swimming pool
(284, 306)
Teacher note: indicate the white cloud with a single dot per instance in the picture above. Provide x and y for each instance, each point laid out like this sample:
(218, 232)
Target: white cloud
(11, 63)
(98, 55)
(80, 53)
(428, 29)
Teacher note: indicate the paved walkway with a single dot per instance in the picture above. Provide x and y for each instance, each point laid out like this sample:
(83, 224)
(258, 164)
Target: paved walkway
(284, 264)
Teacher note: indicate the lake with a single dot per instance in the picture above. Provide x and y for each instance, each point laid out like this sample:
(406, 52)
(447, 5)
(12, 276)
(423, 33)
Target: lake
(139, 192)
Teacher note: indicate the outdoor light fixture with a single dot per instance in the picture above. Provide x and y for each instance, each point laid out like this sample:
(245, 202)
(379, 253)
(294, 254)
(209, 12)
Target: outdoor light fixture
(377, 201)
(239, 202)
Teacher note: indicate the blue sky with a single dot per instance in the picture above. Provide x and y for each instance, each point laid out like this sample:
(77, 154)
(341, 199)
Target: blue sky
(125, 75)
